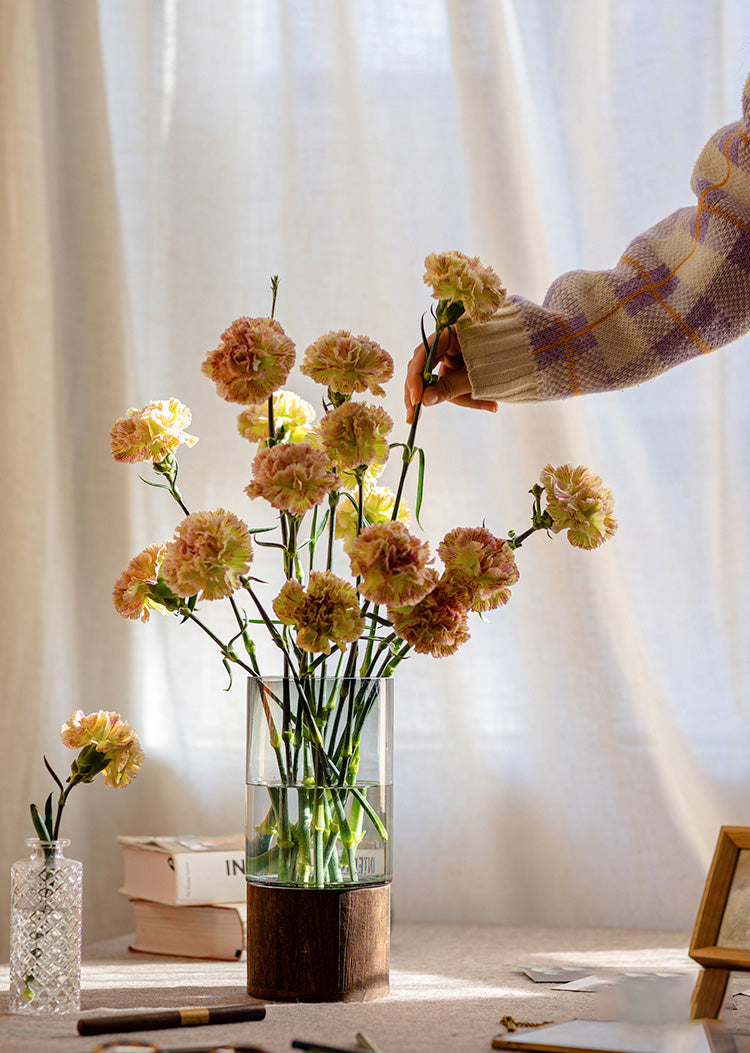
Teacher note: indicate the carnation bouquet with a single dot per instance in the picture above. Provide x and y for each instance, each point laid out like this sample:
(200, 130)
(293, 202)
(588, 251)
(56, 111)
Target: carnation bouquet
(337, 634)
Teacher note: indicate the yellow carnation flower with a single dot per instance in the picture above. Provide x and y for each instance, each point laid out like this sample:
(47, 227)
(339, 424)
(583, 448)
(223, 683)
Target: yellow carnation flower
(151, 433)
(292, 416)
(377, 507)
(104, 733)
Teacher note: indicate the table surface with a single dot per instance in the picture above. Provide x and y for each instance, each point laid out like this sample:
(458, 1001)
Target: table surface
(450, 986)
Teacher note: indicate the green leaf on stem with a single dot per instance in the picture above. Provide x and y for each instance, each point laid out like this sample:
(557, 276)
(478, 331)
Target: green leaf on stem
(48, 820)
(54, 775)
(41, 829)
(420, 484)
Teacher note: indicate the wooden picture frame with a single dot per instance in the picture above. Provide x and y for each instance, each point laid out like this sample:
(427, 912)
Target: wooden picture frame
(721, 937)
(725, 903)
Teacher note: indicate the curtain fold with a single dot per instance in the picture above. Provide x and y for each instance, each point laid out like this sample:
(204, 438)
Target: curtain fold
(573, 763)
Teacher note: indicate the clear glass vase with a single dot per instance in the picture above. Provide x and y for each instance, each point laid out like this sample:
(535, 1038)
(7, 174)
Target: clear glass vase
(45, 930)
(319, 781)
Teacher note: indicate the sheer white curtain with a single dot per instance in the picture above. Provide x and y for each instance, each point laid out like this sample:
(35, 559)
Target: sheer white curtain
(159, 161)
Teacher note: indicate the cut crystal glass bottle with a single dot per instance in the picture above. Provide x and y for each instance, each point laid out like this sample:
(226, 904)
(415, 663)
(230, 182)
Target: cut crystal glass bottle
(45, 930)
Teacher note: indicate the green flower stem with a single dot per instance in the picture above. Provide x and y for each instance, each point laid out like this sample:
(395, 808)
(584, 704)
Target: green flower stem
(333, 500)
(248, 642)
(408, 455)
(275, 634)
(516, 541)
(313, 534)
(227, 652)
(284, 840)
(304, 825)
(168, 468)
(271, 427)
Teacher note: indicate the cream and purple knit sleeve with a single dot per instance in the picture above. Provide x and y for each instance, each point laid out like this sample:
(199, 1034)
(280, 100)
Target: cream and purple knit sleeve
(680, 289)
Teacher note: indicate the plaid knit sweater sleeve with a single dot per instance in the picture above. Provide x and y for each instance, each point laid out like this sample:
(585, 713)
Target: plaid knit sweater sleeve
(680, 289)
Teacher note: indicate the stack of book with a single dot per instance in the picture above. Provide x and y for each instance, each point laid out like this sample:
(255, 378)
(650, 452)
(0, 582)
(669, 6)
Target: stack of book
(188, 894)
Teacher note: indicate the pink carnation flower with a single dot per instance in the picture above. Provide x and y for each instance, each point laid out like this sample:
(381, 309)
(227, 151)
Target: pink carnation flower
(578, 502)
(253, 360)
(293, 477)
(107, 733)
(392, 564)
(151, 433)
(355, 435)
(346, 363)
(479, 567)
(325, 613)
(132, 594)
(462, 279)
(208, 555)
(437, 625)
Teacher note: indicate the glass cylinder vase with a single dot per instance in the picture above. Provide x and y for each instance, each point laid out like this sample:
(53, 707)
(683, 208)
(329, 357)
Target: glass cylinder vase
(45, 930)
(319, 786)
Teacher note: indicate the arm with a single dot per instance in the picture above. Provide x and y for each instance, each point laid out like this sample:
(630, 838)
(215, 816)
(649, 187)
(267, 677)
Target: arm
(680, 289)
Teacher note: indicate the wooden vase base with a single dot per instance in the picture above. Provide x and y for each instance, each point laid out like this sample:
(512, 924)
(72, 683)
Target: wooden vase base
(318, 945)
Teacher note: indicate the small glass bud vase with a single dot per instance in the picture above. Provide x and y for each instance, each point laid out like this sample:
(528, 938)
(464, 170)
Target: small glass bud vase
(45, 930)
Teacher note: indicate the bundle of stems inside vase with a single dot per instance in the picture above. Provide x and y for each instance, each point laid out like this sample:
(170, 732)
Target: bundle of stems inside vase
(320, 806)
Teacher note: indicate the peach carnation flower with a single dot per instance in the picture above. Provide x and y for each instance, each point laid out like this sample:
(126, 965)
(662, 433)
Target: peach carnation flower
(578, 502)
(253, 360)
(346, 363)
(291, 415)
(462, 279)
(291, 477)
(392, 563)
(479, 567)
(377, 508)
(354, 435)
(437, 625)
(325, 613)
(133, 592)
(151, 433)
(207, 556)
(106, 733)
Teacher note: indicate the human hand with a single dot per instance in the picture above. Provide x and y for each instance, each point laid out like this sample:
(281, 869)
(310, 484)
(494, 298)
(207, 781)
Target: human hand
(452, 384)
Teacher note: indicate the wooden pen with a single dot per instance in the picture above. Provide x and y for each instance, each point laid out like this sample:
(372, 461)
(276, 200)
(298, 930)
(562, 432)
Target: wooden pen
(115, 1023)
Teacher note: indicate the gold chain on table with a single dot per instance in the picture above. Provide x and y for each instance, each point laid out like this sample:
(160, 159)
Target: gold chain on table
(513, 1025)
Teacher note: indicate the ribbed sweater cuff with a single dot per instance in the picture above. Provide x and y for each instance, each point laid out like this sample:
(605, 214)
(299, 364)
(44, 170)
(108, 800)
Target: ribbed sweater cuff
(498, 357)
